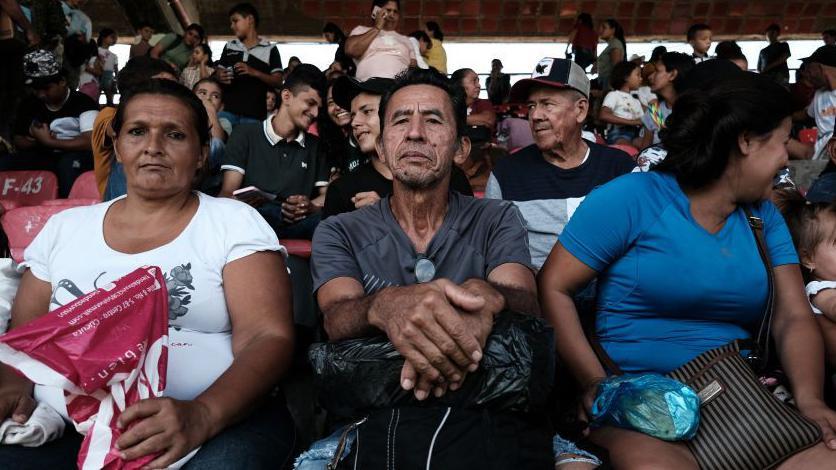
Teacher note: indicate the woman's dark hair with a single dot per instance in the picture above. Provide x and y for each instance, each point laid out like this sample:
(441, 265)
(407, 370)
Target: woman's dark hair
(332, 139)
(245, 10)
(657, 53)
(338, 33)
(804, 220)
(682, 63)
(619, 33)
(702, 132)
(620, 73)
(175, 90)
(586, 20)
(457, 76)
(206, 50)
(435, 29)
(104, 33)
(431, 77)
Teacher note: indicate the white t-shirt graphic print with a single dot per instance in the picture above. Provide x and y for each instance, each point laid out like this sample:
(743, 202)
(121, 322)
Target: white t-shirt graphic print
(71, 254)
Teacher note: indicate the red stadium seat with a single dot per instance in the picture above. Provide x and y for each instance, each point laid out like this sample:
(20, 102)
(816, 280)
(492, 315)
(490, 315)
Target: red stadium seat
(85, 187)
(479, 194)
(23, 224)
(808, 136)
(300, 248)
(71, 202)
(628, 149)
(28, 188)
(8, 205)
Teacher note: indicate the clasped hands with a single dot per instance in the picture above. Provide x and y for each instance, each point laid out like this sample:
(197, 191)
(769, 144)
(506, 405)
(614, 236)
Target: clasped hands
(440, 328)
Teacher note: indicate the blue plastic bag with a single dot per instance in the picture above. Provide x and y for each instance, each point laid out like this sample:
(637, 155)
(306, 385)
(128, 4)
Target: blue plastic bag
(649, 403)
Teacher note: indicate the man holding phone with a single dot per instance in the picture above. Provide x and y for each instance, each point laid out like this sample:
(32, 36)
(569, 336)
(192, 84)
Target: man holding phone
(379, 50)
(248, 67)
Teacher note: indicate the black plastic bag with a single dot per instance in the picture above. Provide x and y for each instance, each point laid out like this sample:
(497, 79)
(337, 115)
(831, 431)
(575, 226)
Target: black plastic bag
(515, 374)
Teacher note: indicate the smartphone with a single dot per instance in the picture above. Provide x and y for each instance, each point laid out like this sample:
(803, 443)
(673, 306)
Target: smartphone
(253, 196)
(375, 11)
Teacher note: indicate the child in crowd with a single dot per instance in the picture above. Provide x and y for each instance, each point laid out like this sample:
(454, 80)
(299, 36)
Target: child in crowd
(813, 230)
(248, 67)
(699, 37)
(620, 109)
(645, 94)
(272, 101)
(211, 95)
(110, 63)
(89, 81)
(200, 66)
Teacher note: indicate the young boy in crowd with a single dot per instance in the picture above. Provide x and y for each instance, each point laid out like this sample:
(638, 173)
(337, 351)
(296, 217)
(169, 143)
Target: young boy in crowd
(665, 82)
(699, 37)
(211, 94)
(248, 67)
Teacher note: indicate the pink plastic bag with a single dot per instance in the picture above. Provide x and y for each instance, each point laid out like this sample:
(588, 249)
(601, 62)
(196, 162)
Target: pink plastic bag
(106, 350)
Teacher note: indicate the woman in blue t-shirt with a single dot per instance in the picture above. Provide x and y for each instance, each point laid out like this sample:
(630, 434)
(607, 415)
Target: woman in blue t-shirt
(678, 268)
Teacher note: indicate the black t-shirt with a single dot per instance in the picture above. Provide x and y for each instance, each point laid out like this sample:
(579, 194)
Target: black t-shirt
(77, 107)
(246, 95)
(275, 165)
(366, 178)
(772, 52)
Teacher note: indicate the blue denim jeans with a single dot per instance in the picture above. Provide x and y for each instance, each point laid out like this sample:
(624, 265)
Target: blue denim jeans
(236, 119)
(823, 189)
(322, 452)
(265, 440)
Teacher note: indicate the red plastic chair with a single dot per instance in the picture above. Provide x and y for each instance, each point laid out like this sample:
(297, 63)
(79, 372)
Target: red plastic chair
(28, 188)
(628, 149)
(300, 248)
(808, 136)
(85, 187)
(479, 194)
(71, 202)
(23, 224)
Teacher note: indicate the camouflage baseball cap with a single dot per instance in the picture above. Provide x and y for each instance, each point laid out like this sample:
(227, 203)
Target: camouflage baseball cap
(40, 66)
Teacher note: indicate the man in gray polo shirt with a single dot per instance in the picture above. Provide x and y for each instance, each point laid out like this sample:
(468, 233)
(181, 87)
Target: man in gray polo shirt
(279, 157)
(426, 266)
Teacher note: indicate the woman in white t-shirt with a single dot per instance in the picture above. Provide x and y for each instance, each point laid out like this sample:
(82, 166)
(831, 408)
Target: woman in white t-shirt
(230, 318)
(621, 110)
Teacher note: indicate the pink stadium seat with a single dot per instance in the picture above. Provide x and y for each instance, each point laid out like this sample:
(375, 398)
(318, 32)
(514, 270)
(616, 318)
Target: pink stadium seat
(300, 248)
(28, 188)
(81, 201)
(85, 187)
(808, 136)
(23, 224)
(628, 149)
